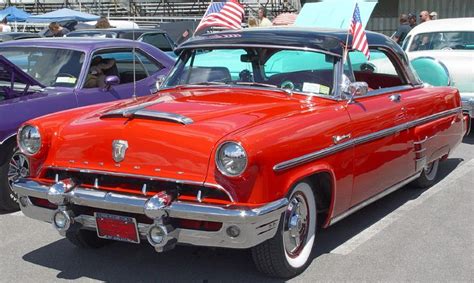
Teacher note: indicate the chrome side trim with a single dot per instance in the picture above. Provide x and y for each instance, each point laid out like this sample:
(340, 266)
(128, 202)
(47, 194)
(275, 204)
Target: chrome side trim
(360, 140)
(145, 177)
(164, 116)
(374, 198)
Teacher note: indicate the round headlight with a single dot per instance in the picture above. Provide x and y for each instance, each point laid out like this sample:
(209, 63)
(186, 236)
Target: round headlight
(231, 159)
(29, 140)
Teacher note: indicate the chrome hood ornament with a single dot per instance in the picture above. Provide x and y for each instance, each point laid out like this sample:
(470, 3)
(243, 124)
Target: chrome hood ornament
(119, 147)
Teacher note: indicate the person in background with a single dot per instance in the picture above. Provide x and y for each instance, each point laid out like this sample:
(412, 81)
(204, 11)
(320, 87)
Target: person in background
(412, 20)
(103, 23)
(263, 21)
(4, 27)
(424, 16)
(433, 15)
(252, 22)
(402, 30)
(57, 30)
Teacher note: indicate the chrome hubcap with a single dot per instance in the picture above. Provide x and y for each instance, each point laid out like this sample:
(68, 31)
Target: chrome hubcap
(19, 167)
(296, 225)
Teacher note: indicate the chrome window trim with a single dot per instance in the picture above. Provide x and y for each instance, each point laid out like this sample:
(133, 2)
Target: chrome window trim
(148, 177)
(276, 46)
(360, 140)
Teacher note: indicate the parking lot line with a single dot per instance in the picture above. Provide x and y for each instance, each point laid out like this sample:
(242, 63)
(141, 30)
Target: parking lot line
(366, 234)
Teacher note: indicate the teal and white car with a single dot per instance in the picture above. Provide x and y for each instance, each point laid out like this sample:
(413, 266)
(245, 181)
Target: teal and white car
(451, 42)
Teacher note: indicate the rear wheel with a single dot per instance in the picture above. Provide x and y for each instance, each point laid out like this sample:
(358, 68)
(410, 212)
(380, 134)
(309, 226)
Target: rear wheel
(288, 253)
(13, 167)
(85, 239)
(428, 175)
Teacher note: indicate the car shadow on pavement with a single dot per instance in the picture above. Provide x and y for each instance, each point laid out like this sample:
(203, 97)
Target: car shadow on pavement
(120, 262)
(470, 138)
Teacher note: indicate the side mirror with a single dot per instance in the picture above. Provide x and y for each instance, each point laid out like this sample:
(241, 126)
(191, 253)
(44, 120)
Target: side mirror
(159, 81)
(356, 89)
(111, 81)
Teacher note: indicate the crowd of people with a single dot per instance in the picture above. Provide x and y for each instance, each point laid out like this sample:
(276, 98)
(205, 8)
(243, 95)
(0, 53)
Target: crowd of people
(408, 22)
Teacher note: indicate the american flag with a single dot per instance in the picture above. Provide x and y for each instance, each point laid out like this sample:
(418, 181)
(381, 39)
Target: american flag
(359, 39)
(228, 14)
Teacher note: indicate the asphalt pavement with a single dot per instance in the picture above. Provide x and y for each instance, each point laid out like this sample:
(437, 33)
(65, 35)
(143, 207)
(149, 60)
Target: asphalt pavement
(410, 235)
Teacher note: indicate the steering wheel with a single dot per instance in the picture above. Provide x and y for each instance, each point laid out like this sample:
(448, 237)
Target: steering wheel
(367, 67)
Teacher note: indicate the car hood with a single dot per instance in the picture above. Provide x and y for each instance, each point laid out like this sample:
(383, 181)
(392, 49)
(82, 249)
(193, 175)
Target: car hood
(10, 72)
(171, 135)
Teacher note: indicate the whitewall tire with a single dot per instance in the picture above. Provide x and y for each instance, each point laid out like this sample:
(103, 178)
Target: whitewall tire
(289, 252)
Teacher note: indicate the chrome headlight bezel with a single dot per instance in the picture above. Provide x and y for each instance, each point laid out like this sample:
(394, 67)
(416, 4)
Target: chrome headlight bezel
(243, 159)
(29, 149)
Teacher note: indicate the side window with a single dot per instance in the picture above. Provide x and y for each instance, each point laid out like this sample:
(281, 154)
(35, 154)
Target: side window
(405, 43)
(121, 64)
(378, 72)
(158, 40)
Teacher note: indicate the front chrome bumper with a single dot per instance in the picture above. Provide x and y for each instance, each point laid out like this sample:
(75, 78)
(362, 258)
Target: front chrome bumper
(256, 225)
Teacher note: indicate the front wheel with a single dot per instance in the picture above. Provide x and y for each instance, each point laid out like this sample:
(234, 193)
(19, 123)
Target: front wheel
(288, 253)
(12, 168)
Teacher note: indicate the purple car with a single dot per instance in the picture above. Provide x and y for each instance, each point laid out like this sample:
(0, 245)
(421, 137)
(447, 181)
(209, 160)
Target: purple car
(42, 76)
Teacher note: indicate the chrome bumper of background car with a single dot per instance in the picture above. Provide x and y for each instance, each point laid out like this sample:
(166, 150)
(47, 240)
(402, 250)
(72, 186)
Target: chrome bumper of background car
(241, 227)
(467, 101)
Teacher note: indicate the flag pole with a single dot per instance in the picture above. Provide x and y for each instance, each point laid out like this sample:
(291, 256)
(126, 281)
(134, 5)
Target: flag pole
(346, 50)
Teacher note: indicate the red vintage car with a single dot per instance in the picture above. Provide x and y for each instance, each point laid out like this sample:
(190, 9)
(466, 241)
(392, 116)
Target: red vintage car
(255, 139)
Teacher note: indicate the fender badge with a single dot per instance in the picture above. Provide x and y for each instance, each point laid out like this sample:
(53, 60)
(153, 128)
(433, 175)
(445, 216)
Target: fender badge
(119, 147)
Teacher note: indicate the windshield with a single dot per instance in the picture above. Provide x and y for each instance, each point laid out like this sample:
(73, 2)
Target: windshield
(303, 71)
(443, 41)
(100, 34)
(52, 67)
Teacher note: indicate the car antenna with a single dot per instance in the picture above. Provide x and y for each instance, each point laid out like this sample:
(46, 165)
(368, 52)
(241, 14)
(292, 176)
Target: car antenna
(134, 96)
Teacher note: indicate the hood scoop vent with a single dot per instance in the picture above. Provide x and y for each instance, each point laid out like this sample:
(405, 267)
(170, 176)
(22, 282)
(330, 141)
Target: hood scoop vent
(139, 111)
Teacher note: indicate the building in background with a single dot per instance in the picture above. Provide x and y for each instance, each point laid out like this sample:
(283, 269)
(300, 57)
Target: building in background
(385, 17)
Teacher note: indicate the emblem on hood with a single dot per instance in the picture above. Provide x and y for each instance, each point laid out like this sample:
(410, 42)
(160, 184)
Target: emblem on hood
(119, 147)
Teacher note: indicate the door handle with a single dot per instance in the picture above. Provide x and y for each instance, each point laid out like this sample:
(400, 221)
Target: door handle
(338, 139)
(395, 97)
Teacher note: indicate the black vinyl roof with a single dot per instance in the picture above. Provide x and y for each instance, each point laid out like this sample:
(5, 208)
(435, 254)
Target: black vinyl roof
(330, 40)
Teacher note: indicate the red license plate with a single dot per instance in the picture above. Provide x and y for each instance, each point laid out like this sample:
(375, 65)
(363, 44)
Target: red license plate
(116, 227)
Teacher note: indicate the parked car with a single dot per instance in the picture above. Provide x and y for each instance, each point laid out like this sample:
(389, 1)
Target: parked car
(450, 41)
(7, 36)
(254, 158)
(155, 37)
(43, 76)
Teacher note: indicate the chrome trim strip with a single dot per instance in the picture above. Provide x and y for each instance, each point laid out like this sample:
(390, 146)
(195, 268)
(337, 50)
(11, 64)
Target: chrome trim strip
(8, 137)
(374, 198)
(147, 177)
(164, 116)
(276, 46)
(360, 140)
